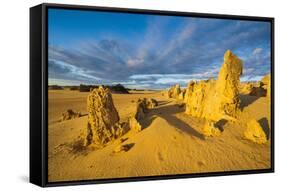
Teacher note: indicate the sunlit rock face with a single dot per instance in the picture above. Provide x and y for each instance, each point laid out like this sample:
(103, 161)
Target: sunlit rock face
(103, 118)
(255, 133)
(137, 115)
(141, 108)
(266, 84)
(217, 99)
(210, 129)
(259, 88)
(174, 91)
(197, 97)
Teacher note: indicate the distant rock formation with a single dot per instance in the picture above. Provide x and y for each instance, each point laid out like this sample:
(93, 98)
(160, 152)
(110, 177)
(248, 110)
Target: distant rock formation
(215, 100)
(266, 84)
(259, 88)
(182, 94)
(253, 89)
(268, 92)
(176, 92)
(254, 132)
(70, 114)
(141, 108)
(265, 81)
(103, 118)
(246, 88)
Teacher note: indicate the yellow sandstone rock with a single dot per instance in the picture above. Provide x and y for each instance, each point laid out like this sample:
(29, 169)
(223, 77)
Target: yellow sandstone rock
(268, 93)
(137, 115)
(255, 132)
(103, 118)
(246, 88)
(174, 91)
(151, 103)
(141, 108)
(227, 92)
(182, 94)
(70, 114)
(266, 82)
(134, 124)
(211, 130)
(215, 100)
(197, 97)
(258, 89)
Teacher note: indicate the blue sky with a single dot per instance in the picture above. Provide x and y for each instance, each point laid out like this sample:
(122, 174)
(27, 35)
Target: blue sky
(150, 51)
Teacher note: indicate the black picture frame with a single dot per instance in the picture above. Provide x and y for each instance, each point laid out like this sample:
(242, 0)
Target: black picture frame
(39, 93)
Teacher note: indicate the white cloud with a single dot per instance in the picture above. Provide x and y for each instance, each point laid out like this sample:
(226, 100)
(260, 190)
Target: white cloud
(74, 70)
(178, 40)
(134, 62)
(257, 51)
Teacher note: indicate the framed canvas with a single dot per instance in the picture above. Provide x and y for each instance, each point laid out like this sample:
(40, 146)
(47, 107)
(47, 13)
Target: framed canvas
(128, 94)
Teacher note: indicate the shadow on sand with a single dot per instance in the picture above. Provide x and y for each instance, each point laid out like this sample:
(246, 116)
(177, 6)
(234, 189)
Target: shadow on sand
(247, 100)
(167, 112)
(265, 126)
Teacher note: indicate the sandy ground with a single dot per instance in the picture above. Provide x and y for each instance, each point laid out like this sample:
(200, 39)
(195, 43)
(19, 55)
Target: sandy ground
(171, 142)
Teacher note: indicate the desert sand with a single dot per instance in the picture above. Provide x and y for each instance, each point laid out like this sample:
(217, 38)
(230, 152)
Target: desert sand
(171, 143)
(171, 137)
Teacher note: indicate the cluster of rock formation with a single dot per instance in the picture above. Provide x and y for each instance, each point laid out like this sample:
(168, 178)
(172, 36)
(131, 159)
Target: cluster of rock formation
(259, 88)
(253, 89)
(266, 84)
(176, 92)
(216, 99)
(103, 118)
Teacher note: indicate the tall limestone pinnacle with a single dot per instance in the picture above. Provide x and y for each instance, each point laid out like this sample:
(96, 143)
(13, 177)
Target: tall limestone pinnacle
(218, 99)
(227, 85)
